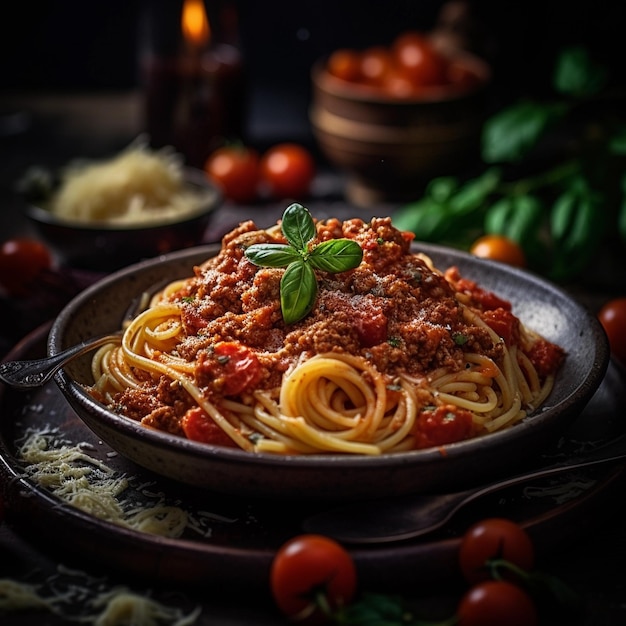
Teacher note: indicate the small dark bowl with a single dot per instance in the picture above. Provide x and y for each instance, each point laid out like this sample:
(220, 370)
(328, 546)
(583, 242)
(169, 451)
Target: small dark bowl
(542, 306)
(107, 247)
(389, 147)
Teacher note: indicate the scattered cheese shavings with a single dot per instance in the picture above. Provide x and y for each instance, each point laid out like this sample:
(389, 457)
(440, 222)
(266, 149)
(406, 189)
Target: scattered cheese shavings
(17, 596)
(118, 606)
(562, 492)
(91, 486)
(125, 608)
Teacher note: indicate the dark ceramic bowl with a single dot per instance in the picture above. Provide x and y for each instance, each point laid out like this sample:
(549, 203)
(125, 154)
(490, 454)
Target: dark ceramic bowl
(104, 247)
(539, 304)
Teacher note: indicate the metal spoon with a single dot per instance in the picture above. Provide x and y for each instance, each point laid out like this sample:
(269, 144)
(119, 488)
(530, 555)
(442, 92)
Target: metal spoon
(408, 517)
(37, 372)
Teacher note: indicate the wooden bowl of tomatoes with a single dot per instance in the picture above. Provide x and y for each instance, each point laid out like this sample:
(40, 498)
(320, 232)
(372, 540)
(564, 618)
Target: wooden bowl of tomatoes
(392, 117)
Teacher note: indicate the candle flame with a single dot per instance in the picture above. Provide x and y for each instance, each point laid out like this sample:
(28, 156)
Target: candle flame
(195, 23)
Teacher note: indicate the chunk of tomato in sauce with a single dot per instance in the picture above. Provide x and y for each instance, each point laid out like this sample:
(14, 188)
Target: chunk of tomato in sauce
(546, 357)
(441, 425)
(198, 426)
(503, 323)
(231, 368)
(371, 327)
(486, 300)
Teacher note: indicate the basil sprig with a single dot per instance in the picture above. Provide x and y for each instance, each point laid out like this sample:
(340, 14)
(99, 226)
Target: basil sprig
(301, 257)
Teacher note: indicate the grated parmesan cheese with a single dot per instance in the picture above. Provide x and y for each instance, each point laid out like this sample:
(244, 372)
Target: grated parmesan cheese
(91, 486)
(137, 186)
(97, 604)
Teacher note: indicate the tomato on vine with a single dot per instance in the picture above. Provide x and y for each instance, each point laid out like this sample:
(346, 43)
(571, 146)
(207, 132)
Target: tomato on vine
(311, 577)
(496, 603)
(489, 542)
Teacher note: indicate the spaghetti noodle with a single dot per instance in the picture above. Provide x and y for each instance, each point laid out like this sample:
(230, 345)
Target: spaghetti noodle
(395, 354)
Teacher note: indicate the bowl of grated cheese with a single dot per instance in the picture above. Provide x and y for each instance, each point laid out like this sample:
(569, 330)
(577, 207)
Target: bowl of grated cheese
(103, 215)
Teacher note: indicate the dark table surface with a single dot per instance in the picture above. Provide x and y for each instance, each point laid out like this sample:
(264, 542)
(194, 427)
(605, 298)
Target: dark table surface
(52, 129)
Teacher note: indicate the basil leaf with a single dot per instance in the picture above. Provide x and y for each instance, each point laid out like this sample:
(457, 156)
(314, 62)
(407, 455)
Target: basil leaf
(576, 75)
(510, 134)
(272, 254)
(298, 226)
(617, 143)
(298, 291)
(336, 255)
(472, 194)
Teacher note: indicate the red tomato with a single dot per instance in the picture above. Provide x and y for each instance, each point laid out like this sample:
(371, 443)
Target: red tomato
(21, 261)
(198, 426)
(235, 169)
(612, 316)
(496, 603)
(499, 248)
(442, 425)
(398, 84)
(345, 64)
(462, 76)
(494, 539)
(376, 63)
(241, 367)
(307, 566)
(421, 60)
(287, 170)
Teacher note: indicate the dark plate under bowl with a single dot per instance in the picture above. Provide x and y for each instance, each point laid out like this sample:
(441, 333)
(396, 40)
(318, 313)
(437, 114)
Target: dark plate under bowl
(540, 305)
(103, 247)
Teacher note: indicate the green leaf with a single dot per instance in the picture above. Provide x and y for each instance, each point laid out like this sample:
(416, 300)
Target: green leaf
(577, 225)
(428, 219)
(472, 195)
(441, 188)
(298, 226)
(617, 143)
(272, 254)
(336, 255)
(576, 75)
(509, 135)
(298, 291)
(621, 215)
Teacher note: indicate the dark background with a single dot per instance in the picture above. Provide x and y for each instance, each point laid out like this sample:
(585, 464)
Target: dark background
(75, 45)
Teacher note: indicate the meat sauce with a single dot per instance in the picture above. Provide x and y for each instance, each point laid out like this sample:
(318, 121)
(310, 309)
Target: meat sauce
(393, 309)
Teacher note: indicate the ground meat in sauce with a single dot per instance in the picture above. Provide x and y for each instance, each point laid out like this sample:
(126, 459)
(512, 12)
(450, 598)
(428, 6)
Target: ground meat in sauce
(393, 309)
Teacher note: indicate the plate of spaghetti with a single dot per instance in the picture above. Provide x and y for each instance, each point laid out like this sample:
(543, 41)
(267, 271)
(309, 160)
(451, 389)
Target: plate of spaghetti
(329, 359)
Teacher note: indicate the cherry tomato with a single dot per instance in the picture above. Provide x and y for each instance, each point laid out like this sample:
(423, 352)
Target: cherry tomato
(496, 603)
(345, 64)
(21, 261)
(309, 565)
(235, 169)
(490, 539)
(499, 248)
(462, 76)
(424, 63)
(612, 316)
(398, 84)
(287, 171)
(376, 63)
